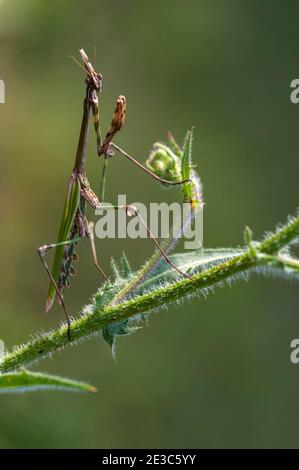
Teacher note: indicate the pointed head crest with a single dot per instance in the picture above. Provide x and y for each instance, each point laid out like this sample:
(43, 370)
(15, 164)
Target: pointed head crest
(93, 77)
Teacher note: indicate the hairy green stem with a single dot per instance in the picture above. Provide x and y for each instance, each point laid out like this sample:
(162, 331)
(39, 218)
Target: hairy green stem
(88, 325)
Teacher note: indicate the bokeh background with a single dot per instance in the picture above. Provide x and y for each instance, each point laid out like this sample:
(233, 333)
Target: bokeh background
(211, 373)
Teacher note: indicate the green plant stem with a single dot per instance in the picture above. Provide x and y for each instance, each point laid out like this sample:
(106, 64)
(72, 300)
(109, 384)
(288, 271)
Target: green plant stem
(88, 325)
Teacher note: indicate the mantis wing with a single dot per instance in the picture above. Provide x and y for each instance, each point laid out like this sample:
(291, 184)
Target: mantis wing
(69, 212)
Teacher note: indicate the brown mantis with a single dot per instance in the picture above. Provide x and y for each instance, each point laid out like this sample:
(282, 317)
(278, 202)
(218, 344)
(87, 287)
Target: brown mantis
(74, 225)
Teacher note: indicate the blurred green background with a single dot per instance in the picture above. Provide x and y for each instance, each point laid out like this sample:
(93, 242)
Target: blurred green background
(211, 373)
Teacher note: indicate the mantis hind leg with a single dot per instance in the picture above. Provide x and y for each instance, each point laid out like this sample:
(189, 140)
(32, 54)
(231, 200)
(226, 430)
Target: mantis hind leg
(90, 235)
(42, 250)
(132, 210)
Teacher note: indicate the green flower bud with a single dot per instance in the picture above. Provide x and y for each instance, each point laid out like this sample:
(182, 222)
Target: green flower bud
(163, 162)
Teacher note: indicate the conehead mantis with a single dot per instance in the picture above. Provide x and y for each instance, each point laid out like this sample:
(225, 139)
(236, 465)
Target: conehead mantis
(74, 225)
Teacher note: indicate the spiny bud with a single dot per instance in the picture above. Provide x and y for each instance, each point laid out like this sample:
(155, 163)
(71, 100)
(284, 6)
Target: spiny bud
(163, 162)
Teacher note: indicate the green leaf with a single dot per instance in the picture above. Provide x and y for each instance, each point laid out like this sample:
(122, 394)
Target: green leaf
(120, 328)
(126, 268)
(174, 145)
(187, 155)
(191, 262)
(115, 269)
(25, 381)
(191, 190)
(247, 235)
